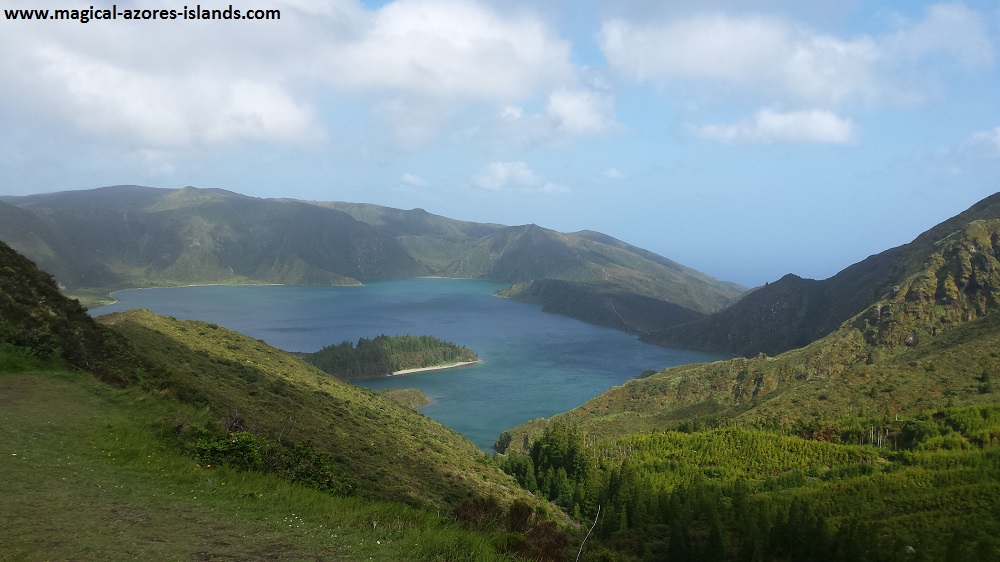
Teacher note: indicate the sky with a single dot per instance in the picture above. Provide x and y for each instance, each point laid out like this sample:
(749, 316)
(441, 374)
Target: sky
(745, 139)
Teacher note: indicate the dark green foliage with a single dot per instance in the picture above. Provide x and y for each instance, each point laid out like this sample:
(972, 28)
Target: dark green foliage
(39, 326)
(523, 529)
(299, 462)
(384, 355)
(738, 494)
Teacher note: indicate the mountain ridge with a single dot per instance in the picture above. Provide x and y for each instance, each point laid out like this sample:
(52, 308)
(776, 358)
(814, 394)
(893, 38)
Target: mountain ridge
(793, 311)
(144, 236)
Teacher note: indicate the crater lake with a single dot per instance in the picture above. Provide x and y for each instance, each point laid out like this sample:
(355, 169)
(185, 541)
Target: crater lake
(534, 364)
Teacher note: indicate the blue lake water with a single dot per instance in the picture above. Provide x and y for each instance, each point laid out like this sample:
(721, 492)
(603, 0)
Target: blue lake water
(534, 365)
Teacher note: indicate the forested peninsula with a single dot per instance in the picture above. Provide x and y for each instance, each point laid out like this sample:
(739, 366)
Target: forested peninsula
(387, 355)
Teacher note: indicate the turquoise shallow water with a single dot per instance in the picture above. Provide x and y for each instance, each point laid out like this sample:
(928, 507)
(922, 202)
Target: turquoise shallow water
(535, 364)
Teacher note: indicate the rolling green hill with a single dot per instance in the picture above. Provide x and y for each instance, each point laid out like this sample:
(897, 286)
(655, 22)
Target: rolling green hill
(126, 236)
(195, 442)
(793, 311)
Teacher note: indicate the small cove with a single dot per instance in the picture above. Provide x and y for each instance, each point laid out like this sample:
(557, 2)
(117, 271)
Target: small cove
(534, 364)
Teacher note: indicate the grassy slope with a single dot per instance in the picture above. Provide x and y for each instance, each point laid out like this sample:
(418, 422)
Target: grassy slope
(89, 475)
(386, 450)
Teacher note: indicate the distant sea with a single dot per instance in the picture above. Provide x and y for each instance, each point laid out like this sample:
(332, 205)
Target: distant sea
(534, 365)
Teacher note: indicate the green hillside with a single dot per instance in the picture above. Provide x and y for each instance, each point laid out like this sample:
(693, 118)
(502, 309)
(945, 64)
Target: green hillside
(90, 473)
(138, 236)
(793, 311)
(212, 445)
(126, 236)
(880, 441)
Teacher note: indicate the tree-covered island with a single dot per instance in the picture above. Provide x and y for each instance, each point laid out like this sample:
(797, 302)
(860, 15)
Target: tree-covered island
(387, 355)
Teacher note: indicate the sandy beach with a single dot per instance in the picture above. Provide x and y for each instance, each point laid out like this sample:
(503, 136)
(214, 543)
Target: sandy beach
(437, 368)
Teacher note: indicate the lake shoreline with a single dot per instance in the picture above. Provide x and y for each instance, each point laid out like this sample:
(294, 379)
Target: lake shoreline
(458, 365)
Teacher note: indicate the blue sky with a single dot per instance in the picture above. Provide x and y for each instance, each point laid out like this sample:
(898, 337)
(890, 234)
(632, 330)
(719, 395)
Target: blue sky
(745, 139)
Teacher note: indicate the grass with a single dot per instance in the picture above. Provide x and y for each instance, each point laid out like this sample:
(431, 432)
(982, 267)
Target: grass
(409, 397)
(87, 476)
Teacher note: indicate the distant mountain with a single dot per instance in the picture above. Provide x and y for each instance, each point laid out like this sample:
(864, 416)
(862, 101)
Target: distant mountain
(793, 311)
(145, 236)
(126, 236)
(608, 306)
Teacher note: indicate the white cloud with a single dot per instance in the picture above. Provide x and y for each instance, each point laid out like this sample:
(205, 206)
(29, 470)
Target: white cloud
(568, 115)
(947, 28)
(769, 126)
(990, 140)
(613, 174)
(412, 180)
(450, 49)
(145, 86)
(416, 65)
(783, 59)
(514, 176)
(511, 113)
(766, 52)
(580, 112)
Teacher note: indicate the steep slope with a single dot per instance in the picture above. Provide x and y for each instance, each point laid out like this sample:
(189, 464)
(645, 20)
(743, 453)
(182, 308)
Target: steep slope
(382, 449)
(793, 311)
(36, 320)
(931, 341)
